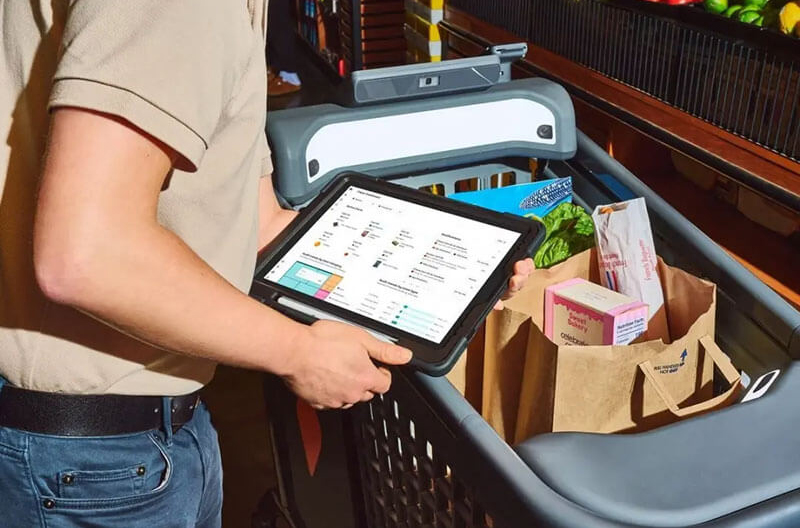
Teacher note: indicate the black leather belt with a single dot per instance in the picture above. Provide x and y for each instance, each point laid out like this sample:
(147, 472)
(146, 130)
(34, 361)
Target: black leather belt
(89, 414)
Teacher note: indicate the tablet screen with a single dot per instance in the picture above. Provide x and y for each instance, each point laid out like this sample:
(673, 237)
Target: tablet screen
(402, 264)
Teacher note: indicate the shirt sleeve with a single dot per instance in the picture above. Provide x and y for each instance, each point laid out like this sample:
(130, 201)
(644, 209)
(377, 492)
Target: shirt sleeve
(169, 67)
(266, 159)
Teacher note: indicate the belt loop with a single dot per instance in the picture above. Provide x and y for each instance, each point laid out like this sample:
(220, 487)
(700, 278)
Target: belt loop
(166, 411)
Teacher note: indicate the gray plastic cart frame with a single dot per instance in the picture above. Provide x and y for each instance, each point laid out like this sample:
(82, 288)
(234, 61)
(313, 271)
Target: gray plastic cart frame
(422, 456)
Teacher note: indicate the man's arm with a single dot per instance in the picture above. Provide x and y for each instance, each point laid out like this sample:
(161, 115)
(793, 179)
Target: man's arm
(96, 229)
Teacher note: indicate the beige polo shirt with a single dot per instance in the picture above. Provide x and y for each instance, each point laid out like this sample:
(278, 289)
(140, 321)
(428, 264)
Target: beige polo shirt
(191, 73)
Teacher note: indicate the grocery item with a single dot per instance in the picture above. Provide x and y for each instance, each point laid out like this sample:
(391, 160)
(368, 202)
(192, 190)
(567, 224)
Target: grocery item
(525, 384)
(533, 200)
(777, 14)
(749, 17)
(627, 258)
(732, 10)
(715, 6)
(553, 193)
(788, 17)
(569, 231)
(579, 312)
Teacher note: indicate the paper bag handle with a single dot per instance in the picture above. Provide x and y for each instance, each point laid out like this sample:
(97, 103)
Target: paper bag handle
(720, 359)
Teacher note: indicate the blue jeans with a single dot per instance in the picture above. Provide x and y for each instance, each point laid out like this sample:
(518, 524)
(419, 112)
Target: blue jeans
(149, 479)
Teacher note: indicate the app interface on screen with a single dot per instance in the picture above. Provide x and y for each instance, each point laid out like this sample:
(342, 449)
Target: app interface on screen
(406, 265)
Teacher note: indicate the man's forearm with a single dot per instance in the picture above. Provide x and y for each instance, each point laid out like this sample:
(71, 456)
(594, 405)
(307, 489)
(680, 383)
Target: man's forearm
(172, 299)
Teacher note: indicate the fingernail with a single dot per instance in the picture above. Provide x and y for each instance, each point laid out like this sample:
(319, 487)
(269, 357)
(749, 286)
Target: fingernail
(407, 355)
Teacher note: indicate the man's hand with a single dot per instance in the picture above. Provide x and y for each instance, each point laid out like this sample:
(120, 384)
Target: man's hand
(331, 366)
(522, 269)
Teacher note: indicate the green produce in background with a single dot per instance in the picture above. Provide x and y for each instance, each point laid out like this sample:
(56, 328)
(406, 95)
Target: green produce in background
(748, 17)
(782, 15)
(749, 9)
(732, 10)
(569, 230)
(715, 6)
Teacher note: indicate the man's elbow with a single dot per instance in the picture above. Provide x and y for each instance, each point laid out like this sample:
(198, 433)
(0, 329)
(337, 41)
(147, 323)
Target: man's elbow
(63, 272)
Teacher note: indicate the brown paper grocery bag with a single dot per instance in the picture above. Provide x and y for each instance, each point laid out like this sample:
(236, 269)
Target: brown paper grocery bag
(467, 374)
(505, 349)
(603, 388)
(490, 373)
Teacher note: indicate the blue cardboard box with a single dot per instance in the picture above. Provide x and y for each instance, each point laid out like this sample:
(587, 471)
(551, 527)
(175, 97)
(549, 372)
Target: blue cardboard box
(524, 199)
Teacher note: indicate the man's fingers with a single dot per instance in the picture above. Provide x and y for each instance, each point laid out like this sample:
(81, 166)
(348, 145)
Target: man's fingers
(515, 284)
(524, 267)
(498, 305)
(367, 396)
(386, 373)
(381, 382)
(386, 352)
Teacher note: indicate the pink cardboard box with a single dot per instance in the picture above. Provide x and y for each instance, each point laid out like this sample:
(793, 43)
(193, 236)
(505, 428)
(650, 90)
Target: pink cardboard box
(579, 312)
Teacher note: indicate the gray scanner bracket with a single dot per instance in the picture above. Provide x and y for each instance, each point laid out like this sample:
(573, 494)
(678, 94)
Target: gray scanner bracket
(508, 53)
(531, 118)
(433, 79)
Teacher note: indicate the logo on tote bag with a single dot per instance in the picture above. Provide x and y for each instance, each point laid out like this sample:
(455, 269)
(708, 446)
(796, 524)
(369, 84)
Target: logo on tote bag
(669, 369)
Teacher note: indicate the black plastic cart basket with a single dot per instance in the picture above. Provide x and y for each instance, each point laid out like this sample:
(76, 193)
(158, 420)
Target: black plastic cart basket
(421, 456)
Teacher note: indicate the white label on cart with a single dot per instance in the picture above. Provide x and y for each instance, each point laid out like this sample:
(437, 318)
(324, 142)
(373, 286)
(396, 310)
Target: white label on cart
(379, 139)
(405, 265)
(761, 386)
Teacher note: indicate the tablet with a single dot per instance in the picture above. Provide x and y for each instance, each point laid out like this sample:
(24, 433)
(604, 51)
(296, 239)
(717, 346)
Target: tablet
(410, 267)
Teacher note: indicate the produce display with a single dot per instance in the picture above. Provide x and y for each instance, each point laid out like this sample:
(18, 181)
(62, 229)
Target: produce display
(782, 15)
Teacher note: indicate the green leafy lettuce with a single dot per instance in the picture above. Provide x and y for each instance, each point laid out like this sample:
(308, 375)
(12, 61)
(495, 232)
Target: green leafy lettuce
(569, 230)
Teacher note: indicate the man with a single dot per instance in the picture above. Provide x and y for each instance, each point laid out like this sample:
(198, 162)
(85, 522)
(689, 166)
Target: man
(135, 193)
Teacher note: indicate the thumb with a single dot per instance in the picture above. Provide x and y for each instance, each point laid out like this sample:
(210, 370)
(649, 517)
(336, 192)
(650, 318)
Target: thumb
(387, 353)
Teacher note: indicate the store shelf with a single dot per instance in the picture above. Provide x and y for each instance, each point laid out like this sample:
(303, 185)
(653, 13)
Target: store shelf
(325, 50)
(371, 32)
(764, 171)
(738, 77)
(331, 70)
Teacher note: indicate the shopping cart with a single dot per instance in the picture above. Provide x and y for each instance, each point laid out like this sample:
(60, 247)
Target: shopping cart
(421, 456)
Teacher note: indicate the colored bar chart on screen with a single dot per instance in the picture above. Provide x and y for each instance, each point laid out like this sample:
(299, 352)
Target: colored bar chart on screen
(310, 280)
(413, 320)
